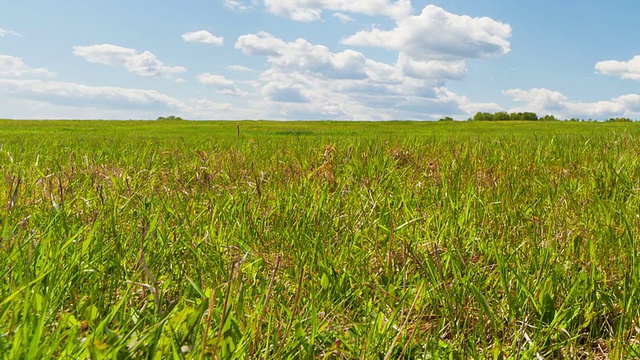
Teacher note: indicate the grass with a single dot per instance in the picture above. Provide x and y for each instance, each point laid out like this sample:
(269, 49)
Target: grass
(319, 240)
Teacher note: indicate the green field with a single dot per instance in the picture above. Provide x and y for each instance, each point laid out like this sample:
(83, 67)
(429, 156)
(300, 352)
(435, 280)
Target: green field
(319, 240)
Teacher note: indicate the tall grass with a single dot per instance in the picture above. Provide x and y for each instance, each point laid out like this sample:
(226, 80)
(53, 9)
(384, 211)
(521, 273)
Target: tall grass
(311, 240)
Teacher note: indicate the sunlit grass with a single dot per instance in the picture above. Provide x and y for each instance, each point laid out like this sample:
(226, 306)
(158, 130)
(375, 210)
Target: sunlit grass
(319, 240)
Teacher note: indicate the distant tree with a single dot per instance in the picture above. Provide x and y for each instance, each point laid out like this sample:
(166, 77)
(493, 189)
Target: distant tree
(504, 116)
(482, 116)
(548, 118)
(170, 118)
(523, 116)
(619, 119)
(446, 118)
(501, 116)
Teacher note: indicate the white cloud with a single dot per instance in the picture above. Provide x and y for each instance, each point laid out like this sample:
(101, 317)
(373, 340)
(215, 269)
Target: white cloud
(224, 86)
(148, 65)
(436, 34)
(204, 37)
(78, 95)
(285, 93)
(311, 10)
(11, 66)
(301, 55)
(4, 32)
(143, 64)
(105, 54)
(306, 80)
(544, 101)
(239, 68)
(239, 5)
(343, 17)
(541, 98)
(208, 106)
(434, 69)
(622, 69)
(260, 44)
(631, 102)
(37, 108)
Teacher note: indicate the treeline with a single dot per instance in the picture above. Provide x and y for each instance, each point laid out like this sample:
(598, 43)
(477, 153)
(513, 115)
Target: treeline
(170, 118)
(526, 116)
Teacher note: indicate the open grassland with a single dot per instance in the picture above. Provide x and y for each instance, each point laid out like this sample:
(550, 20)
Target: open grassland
(319, 240)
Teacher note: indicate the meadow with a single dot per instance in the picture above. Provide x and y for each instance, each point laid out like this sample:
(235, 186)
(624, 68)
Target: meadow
(328, 240)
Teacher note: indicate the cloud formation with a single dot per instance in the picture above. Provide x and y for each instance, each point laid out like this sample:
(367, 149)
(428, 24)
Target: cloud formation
(301, 55)
(238, 5)
(311, 10)
(545, 101)
(74, 94)
(436, 34)
(304, 78)
(240, 68)
(11, 66)
(280, 92)
(55, 100)
(622, 69)
(343, 17)
(4, 32)
(224, 86)
(307, 81)
(144, 64)
(434, 69)
(203, 37)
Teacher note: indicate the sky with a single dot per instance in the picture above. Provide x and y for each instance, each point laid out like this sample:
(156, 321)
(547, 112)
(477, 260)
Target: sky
(318, 59)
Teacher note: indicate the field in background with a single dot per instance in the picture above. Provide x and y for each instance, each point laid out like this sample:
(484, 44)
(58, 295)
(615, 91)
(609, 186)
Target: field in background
(319, 240)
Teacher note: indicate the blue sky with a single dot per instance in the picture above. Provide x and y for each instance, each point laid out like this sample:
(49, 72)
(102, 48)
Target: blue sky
(318, 59)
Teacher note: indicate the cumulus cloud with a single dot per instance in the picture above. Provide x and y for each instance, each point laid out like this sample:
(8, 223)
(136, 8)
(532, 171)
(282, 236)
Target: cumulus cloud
(4, 32)
(224, 86)
(260, 44)
(438, 34)
(204, 37)
(285, 93)
(539, 97)
(434, 69)
(301, 55)
(309, 80)
(74, 94)
(305, 77)
(383, 98)
(631, 102)
(545, 101)
(11, 66)
(144, 64)
(622, 69)
(311, 10)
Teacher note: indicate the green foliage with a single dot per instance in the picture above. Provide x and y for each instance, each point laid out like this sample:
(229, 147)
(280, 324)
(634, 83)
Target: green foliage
(446, 118)
(482, 116)
(356, 240)
(619, 119)
(526, 116)
(504, 116)
(523, 116)
(548, 118)
(501, 116)
(170, 118)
